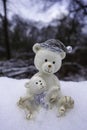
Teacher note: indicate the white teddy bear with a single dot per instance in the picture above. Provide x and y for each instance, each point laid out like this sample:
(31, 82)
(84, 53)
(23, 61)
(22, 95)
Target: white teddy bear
(35, 96)
(48, 60)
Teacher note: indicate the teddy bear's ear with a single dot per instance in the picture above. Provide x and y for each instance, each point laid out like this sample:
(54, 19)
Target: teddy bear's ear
(36, 47)
(63, 55)
(27, 85)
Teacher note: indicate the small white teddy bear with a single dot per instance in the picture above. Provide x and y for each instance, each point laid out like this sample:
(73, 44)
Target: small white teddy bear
(36, 88)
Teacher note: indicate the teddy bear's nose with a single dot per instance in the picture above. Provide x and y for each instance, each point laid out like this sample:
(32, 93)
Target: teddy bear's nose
(49, 66)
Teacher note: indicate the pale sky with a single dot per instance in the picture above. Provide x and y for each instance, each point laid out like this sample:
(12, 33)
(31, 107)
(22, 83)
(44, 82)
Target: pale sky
(36, 10)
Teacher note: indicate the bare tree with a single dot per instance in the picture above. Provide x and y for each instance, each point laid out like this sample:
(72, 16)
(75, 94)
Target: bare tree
(5, 26)
(70, 29)
(80, 6)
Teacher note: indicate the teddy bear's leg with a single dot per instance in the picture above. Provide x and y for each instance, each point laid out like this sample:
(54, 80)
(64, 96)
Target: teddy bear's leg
(67, 101)
(64, 103)
(30, 111)
(22, 100)
(70, 102)
(26, 105)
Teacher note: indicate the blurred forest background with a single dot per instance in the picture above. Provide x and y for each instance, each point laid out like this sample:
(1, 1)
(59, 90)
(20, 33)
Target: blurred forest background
(19, 32)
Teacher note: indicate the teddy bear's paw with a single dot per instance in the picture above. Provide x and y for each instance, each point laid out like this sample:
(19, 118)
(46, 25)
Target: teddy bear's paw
(70, 102)
(53, 99)
(26, 85)
(62, 111)
(29, 116)
(20, 101)
(71, 105)
(60, 115)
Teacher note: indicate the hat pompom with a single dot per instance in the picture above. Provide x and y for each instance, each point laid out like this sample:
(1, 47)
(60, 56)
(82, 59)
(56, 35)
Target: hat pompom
(69, 49)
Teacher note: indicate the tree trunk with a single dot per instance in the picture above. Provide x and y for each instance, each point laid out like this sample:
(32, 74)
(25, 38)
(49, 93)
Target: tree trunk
(5, 26)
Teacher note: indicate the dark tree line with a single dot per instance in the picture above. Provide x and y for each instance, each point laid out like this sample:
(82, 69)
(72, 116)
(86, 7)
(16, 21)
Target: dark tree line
(19, 34)
(5, 29)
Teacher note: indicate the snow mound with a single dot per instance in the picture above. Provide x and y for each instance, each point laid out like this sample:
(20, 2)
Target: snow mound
(13, 118)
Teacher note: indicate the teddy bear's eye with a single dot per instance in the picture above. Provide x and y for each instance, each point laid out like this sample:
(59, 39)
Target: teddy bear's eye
(39, 80)
(46, 60)
(53, 62)
(36, 82)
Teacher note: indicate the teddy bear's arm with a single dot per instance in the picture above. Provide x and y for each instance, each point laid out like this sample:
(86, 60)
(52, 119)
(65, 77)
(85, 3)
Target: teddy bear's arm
(23, 99)
(55, 92)
(56, 82)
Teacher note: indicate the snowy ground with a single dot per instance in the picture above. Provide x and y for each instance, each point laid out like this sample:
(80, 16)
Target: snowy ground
(13, 118)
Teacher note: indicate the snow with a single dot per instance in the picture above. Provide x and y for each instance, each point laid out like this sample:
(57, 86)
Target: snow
(13, 118)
